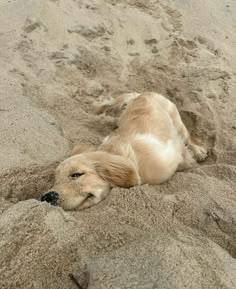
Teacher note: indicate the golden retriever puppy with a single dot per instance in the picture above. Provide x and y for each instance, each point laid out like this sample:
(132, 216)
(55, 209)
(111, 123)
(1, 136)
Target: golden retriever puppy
(149, 145)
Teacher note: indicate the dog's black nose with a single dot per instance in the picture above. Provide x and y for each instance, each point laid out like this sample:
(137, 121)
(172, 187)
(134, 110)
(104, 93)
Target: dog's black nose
(50, 197)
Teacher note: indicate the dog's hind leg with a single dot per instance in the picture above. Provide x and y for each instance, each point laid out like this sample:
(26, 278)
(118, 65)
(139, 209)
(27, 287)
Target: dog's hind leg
(199, 152)
(178, 123)
(188, 160)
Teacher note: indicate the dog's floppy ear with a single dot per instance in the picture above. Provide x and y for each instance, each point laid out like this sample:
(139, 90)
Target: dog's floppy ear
(117, 171)
(82, 148)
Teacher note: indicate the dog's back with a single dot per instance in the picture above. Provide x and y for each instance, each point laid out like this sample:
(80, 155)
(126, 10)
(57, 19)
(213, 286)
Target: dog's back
(147, 114)
(146, 135)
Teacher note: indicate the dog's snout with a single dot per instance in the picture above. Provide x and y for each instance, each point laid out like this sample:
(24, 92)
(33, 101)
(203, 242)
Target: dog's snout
(50, 197)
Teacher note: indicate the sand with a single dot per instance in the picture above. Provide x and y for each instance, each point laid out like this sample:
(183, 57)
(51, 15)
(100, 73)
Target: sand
(56, 58)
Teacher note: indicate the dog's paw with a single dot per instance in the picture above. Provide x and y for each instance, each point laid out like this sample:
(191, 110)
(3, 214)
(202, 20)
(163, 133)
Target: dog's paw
(200, 153)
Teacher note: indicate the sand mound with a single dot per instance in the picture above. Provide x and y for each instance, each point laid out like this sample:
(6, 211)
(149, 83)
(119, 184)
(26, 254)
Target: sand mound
(56, 58)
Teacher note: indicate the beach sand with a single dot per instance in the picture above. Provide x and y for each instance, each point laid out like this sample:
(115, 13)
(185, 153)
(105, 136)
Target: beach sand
(56, 58)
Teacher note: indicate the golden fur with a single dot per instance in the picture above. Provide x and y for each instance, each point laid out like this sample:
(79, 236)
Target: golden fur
(149, 145)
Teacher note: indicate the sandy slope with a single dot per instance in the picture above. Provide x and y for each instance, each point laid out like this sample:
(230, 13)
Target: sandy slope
(56, 58)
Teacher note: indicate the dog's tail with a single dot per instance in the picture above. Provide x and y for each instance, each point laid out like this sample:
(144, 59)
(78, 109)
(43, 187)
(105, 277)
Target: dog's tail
(115, 104)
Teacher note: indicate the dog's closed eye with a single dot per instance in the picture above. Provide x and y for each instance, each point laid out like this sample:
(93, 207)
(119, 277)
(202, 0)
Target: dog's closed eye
(76, 175)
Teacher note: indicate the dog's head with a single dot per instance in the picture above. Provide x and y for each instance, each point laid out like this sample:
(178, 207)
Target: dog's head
(84, 180)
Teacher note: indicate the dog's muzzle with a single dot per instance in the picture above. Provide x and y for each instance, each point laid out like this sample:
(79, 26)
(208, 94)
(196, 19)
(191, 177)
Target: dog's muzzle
(51, 197)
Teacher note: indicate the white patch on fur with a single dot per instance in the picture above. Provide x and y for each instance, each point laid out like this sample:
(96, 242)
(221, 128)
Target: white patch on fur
(167, 151)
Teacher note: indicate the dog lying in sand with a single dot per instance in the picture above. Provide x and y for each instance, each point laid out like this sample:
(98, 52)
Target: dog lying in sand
(150, 144)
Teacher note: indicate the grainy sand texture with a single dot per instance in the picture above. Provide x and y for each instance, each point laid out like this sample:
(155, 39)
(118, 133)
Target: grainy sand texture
(56, 58)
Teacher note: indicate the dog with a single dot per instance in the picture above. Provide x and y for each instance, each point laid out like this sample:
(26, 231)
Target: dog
(149, 145)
